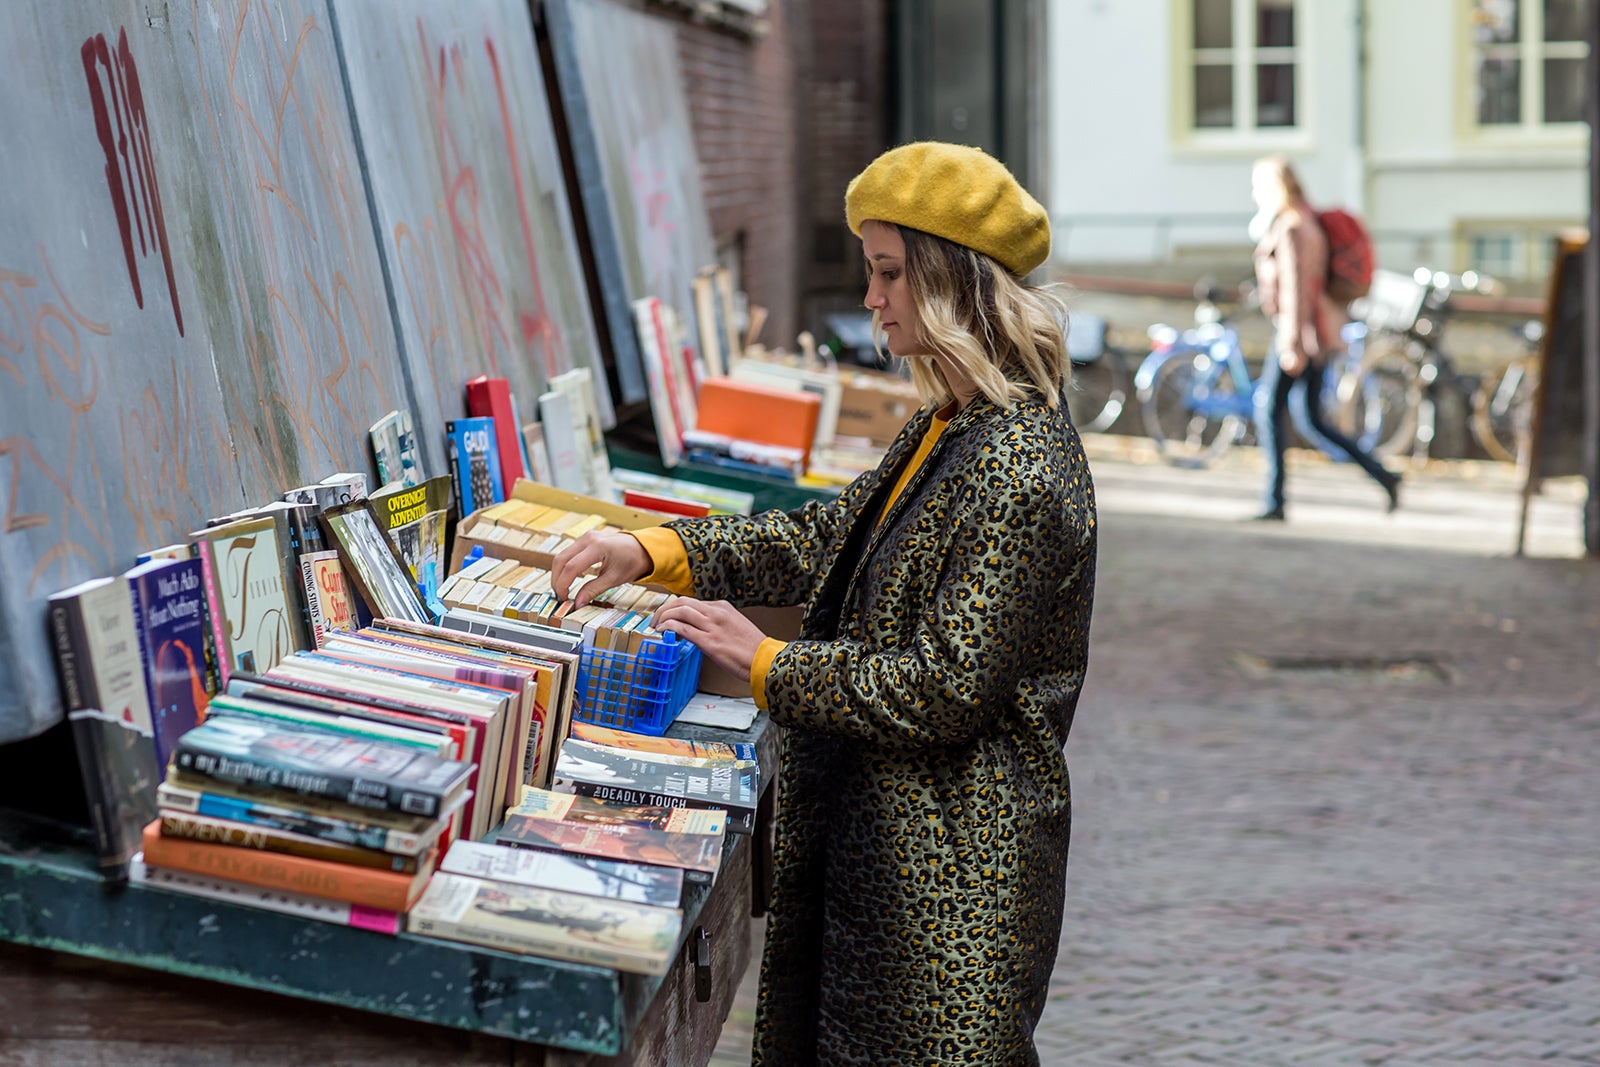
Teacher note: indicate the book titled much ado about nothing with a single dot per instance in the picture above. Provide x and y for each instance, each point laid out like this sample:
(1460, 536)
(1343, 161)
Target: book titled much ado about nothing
(368, 774)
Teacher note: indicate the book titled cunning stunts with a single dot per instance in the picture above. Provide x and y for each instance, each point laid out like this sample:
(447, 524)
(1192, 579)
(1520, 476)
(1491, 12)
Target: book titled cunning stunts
(368, 774)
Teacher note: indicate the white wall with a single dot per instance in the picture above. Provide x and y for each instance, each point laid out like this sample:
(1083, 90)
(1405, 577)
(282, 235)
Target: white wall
(1114, 149)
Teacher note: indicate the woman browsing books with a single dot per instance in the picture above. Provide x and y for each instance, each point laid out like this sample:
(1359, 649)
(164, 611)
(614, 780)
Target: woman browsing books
(924, 816)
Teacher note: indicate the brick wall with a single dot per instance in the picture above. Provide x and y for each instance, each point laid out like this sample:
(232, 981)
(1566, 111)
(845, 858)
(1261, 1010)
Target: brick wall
(743, 107)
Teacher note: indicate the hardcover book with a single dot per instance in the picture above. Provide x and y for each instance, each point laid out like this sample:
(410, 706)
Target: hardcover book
(245, 835)
(103, 691)
(394, 448)
(474, 464)
(329, 600)
(367, 774)
(569, 807)
(247, 600)
(607, 933)
(698, 855)
(388, 890)
(414, 517)
(617, 775)
(169, 615)
(491, 398)
(660, 887)
(339, 912)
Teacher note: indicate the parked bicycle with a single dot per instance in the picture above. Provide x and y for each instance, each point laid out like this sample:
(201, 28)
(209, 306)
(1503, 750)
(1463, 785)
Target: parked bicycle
(1416, 378)
(1197, 397)
(1100, 378)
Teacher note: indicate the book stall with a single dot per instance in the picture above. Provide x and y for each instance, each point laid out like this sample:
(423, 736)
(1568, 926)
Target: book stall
(300, 753)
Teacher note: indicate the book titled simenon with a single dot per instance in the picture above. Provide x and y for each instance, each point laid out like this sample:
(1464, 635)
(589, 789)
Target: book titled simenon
(367, 774)
(584, 929)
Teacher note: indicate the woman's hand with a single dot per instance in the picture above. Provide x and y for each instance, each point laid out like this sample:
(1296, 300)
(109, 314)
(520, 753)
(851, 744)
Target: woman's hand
(717, 627)
(620, 556)
(1292, 362)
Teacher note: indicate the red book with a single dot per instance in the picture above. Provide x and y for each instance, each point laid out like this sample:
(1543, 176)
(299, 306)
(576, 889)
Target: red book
(491, 398)
(671, 505)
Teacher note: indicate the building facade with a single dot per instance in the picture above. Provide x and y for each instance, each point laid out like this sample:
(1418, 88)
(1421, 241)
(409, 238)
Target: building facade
(1454, 126)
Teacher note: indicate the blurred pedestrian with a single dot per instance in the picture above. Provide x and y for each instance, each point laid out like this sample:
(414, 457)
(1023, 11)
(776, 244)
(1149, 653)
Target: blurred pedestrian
(1291, 261)
(924, 809)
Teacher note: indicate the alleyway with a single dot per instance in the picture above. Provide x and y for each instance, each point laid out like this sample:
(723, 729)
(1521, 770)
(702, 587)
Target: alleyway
(1334, 791)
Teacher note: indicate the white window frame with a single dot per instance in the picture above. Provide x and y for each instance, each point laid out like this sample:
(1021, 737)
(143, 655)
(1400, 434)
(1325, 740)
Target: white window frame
(1533, 242)
(1532, 50)
(1244, 135)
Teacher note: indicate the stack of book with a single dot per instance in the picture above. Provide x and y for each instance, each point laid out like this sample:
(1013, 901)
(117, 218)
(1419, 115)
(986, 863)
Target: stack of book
(618, 619)
(336, 819)
(629, 768)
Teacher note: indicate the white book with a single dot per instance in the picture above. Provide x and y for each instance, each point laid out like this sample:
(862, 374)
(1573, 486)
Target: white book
(635, 883)
(568, 467)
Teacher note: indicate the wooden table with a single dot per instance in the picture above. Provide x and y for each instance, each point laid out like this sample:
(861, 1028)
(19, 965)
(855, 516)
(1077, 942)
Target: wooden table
(137, 975)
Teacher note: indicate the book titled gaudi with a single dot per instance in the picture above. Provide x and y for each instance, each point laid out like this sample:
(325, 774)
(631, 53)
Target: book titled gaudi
(368, 774)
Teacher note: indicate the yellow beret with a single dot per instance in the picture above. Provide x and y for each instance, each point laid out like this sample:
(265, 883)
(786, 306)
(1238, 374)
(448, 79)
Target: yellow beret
(958, 193)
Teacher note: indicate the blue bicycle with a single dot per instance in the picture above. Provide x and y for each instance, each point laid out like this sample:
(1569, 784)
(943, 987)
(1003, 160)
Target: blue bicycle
(1198, 400)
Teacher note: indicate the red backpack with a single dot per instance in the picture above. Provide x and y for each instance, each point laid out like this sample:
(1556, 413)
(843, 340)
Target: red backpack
(1350, 255)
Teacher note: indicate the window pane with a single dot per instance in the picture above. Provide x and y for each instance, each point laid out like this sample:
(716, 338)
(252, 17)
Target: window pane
(1563, 90)
(1495, 21)
(1499, 92)
(1213, 95)
(1275, 94)
(1275, 23)
(1564, 20)
(1495, 254)
(1213, 23)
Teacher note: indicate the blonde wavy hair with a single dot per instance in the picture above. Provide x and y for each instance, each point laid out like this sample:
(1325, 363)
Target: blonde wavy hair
(1008, 337)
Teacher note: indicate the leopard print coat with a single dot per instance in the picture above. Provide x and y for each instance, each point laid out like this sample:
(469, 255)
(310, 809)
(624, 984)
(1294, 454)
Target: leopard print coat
(924, 807)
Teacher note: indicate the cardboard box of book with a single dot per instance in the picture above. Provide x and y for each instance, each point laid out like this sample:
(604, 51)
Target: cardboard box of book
(875, 406)
(783, 623)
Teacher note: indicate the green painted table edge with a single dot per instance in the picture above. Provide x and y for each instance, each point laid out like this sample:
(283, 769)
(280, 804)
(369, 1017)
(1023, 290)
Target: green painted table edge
(53, 897)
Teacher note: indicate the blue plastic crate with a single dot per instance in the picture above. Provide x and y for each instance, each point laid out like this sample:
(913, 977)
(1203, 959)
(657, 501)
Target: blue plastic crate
(640, 691)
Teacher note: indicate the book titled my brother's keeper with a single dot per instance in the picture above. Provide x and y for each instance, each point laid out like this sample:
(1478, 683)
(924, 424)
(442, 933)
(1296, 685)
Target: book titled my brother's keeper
(633, 778)
(367, 774)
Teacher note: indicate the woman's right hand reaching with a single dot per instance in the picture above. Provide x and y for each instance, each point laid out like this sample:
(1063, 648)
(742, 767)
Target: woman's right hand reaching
(617, 557)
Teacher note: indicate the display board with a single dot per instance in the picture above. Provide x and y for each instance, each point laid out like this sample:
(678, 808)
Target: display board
(472, 214)
(1557, 442)
(193, 313)
(621, 90)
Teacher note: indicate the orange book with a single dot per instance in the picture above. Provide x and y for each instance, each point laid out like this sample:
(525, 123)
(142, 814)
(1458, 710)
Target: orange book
(759, 413)
(372, 888)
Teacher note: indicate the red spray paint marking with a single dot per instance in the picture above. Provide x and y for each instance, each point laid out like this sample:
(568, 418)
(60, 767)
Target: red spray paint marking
(135, 196)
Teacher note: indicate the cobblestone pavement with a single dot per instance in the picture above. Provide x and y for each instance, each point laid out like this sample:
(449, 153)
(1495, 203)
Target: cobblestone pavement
(1333, 779)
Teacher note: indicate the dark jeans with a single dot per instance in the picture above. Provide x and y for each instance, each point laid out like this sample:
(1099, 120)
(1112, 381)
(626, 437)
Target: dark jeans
(1272, 426)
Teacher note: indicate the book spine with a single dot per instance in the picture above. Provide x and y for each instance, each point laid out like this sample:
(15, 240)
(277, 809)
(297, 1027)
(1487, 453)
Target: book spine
(79, 692)
(740, 820)
(473, 934)
(345, 788)
(453, 450)
(214, 613)
(308, 583)
(690, 875)
(327, 828)
(271, 870)
(297, 904)
(222, 831)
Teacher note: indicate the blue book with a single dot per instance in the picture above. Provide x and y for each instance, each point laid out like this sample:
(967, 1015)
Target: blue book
(474, 464)
(169, 616)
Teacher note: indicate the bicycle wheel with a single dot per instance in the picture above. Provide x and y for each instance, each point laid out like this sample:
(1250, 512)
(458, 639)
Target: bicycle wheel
(1185, 408)
(1379, 403)
(1097, 393)
(1502, 408)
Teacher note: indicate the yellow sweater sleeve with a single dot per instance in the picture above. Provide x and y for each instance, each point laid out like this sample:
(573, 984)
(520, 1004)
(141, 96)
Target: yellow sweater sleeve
(670, 559)
(766, 652)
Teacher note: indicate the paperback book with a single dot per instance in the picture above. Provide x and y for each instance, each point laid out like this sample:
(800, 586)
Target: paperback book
(265, 839)
(474, 464)
(627, 778)
(697, 855)
(569, 807)
(339, 912)
(366, 774)
(169, 616)
(584, 929)
(247, 602)
(660, 887)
